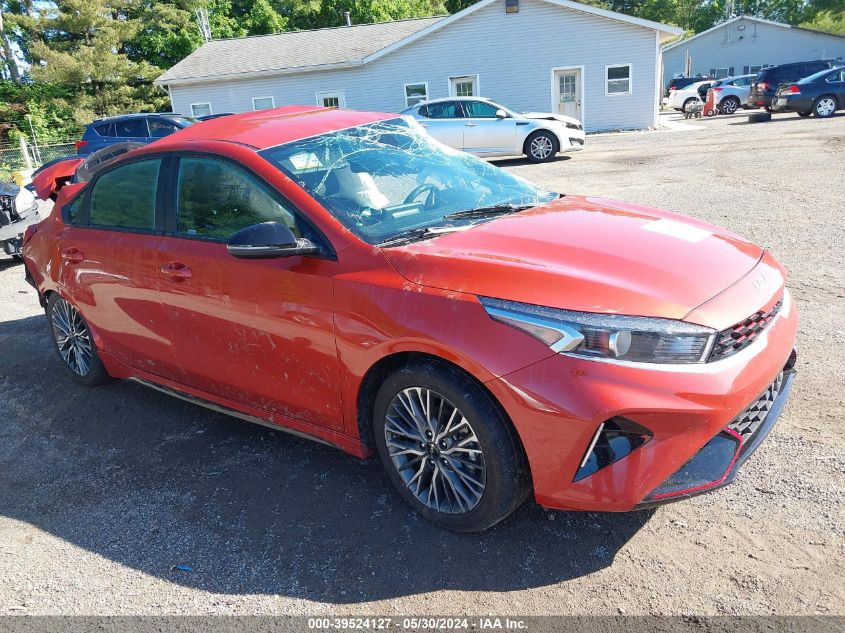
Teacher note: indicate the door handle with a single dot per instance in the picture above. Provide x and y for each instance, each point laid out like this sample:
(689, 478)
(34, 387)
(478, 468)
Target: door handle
(177, 271)
(72, 255)
(470, 124)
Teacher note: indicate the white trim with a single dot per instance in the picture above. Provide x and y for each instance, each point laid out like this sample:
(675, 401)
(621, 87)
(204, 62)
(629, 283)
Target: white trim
(476, 80)
(200, 103)
(340, 95)
(658, 81)
(272, 103)
(554, 88)
(630, 80)
(414, 83)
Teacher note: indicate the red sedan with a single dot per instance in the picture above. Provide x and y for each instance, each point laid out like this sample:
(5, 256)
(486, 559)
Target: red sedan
(341, 275)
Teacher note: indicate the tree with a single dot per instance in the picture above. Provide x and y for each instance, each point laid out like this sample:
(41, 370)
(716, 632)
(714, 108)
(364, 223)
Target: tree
(828, 21)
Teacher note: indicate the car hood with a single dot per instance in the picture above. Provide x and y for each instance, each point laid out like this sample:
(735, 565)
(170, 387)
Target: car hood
(9, 189)
(587, 254)
(549, 116)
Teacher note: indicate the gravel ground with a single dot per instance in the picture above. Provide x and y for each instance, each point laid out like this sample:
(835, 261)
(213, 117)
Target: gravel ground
(104, 492)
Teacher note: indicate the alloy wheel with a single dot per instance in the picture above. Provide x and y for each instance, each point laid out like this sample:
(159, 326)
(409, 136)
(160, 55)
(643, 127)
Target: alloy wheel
(541, 147)
(826, 106)
(72, 337)
(435, 451)
(729, 106)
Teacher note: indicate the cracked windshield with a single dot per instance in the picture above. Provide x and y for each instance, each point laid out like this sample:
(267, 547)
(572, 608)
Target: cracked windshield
(390, 183)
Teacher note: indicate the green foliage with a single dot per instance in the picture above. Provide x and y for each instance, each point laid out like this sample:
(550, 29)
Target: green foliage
(828, 21)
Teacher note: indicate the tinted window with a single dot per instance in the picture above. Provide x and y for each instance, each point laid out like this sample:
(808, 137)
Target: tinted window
(216, 199)
(104, 129)
(160, 127)
(839, 75)
(443, 110)
(131, 127)
(72, 209)
(479, 109)
(126, 196)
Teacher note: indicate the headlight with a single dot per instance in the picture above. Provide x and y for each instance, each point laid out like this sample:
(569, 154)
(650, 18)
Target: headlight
(593, 335)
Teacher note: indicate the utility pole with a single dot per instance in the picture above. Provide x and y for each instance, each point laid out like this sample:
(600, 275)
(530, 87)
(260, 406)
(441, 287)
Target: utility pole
(8, 55)
(202, 22)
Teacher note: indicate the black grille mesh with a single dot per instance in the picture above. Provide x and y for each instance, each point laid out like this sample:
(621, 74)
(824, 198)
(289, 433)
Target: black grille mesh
(741, 335)
(751, 419)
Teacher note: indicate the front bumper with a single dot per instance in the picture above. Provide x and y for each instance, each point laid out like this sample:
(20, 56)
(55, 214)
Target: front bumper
(559, 404)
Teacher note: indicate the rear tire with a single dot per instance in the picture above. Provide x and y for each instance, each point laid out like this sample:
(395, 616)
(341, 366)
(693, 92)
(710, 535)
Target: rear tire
(687, 102)
(447, 448)
(73, 343)
(729, 105)
(825, 106)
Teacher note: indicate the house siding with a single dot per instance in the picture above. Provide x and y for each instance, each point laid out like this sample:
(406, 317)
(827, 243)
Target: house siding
(757, 44)
(513, 55)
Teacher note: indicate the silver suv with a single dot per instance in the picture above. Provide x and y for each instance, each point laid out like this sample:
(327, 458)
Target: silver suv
(732, 93)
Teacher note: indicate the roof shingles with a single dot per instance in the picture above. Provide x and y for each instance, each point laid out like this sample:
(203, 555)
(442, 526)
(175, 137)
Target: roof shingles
(291, 51)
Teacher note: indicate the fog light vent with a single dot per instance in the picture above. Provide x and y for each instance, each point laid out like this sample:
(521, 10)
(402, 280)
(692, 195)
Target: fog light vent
(613, 440)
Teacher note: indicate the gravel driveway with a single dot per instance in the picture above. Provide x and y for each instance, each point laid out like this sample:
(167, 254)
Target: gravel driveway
(103, 493)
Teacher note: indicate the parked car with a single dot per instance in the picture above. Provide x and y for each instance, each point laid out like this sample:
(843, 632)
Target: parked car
(679, 99)
(679, 83)
(342, 275)
(765, 84)
(18, 210)
(821, 94)
(485, 128)
(137, 128)
(732, 93)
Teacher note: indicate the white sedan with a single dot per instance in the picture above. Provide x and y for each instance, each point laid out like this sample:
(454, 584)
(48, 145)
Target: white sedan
(485, 128)
(679, 99)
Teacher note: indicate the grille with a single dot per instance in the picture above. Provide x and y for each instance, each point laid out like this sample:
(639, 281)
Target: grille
(751, 419)
(741, 335)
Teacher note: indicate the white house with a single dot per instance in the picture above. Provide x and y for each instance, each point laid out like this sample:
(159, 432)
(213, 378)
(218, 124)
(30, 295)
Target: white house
(540, 55)
(746, 44)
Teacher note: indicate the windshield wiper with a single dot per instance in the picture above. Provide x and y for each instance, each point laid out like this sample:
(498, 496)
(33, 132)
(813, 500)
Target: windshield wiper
(413, 235)
(493, 209)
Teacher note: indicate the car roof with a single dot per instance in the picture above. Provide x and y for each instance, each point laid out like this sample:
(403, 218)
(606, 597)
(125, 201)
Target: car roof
(441, 99)
(138, 115)
(268, 128)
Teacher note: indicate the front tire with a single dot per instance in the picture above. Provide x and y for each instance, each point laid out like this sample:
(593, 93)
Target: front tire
(73, 343)
(824, 106)
(447, 448)
(541, 147)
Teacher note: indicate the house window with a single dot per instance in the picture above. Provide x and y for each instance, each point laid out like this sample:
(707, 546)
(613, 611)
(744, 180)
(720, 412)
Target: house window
(200, 109)
(415, 93)
(333, 99)
(263, 103)
(618, 79)
(466, 86)
(721, 73)
(752, 70)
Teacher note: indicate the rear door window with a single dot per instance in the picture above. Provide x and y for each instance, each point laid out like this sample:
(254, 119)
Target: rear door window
(443, 110)
(125, 197)
(131, 128)
(104, 129)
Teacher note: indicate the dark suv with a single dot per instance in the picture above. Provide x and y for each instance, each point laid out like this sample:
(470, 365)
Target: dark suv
(679, 83)
(139, 128)
(765, 84)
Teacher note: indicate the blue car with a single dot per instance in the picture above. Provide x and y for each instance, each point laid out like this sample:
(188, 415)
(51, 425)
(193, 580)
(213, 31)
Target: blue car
(138, 128)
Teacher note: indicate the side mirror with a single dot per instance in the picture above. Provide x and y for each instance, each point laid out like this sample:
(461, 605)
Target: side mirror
(268, 240)
(501, 114)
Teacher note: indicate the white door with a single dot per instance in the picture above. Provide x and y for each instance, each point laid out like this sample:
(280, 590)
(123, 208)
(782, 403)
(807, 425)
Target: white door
(484, 132)
(568, 91)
